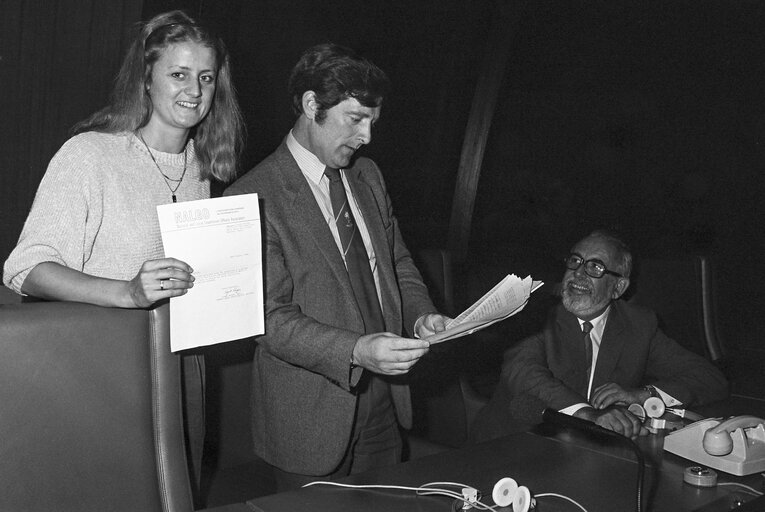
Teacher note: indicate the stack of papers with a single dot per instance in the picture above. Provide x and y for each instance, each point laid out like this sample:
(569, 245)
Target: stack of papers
(507, 298)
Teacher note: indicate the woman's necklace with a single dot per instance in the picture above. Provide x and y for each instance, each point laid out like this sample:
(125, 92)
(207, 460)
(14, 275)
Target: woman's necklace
(167, 178)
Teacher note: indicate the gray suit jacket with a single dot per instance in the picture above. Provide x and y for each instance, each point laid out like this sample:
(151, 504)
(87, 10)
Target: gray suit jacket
(548, 369)
(303, 401)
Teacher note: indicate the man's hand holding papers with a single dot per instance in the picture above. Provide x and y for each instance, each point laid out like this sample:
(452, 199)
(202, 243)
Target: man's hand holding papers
(507, 298)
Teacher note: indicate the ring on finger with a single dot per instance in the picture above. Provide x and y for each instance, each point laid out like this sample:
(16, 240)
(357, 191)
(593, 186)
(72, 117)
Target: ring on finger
(162, 284)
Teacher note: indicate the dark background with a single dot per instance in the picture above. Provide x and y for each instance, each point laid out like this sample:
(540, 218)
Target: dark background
(641, 116)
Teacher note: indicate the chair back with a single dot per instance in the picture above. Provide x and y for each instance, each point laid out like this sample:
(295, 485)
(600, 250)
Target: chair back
(91, 410)
(681, 292)
(438, 271)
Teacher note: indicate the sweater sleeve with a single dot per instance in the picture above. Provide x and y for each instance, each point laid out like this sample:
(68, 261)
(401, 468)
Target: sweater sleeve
(65, 214)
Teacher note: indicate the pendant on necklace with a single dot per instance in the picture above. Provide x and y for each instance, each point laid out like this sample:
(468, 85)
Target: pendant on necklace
(164, 176)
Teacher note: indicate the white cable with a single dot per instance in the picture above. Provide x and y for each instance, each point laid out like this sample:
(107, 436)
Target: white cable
(423, 490)
(427, 490)
(365, 486)
(455, 484)
(477, 504)
(750, 489)
(381, 486)
(556, 495)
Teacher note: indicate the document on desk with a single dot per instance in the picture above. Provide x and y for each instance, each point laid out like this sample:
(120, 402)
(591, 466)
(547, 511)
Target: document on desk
(507, 298)
(220, 239)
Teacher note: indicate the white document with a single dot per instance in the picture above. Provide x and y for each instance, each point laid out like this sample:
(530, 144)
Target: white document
(220, 239)
(507, 298)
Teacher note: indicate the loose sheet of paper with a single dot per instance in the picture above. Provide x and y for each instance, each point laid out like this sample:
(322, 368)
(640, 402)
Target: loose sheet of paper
(220, 239)
(507, 298)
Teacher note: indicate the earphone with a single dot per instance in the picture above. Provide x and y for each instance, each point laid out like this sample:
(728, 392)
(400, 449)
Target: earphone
(654, 407)
(506, 491)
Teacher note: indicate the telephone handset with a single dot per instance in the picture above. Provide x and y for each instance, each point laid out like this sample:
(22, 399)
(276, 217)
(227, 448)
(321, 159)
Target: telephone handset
(736, 445)
(718, 440)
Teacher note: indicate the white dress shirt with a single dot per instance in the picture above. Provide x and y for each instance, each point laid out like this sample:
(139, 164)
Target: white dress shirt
(596, 335)
(313, 170)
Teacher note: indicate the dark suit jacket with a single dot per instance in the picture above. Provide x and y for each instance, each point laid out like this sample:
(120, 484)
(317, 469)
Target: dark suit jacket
(303, 402)
(548, 369)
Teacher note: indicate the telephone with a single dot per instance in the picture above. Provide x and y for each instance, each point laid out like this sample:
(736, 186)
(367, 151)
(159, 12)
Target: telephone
(736, 445)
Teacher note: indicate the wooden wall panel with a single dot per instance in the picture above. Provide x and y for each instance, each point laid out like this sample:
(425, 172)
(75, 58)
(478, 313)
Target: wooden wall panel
(487, 89)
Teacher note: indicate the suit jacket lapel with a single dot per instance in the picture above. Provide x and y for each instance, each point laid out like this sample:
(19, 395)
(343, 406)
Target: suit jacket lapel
(306, 212)
(573, 350)
(365, 198)
(374, 213)
(611, 346)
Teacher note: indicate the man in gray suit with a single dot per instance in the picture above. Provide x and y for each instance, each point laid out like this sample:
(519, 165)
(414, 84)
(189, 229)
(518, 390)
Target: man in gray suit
(329, 378)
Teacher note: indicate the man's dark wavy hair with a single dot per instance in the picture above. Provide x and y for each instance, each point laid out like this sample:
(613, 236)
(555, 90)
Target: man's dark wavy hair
(335, 73)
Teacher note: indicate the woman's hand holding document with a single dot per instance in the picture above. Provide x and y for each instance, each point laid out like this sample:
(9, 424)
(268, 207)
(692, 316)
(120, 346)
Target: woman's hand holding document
(220, 239)
(507, 298)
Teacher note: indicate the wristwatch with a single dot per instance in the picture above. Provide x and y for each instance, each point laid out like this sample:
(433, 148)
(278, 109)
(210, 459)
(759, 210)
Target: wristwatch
(652, 391)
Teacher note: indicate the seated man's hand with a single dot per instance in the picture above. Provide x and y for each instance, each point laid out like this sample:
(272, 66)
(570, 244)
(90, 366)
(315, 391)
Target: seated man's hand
(611, 393)
(615, 418)
(388, 354)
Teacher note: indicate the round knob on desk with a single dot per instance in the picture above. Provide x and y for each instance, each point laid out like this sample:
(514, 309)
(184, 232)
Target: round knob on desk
(700, 477)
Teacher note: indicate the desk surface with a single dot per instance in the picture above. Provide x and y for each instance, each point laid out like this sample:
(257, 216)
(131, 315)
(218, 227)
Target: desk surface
(598, 473)
(595, 473)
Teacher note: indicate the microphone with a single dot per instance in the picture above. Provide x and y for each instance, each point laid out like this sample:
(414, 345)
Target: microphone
(564, 420)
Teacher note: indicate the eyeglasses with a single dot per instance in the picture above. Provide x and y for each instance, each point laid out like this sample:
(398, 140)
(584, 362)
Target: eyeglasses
(593, 268)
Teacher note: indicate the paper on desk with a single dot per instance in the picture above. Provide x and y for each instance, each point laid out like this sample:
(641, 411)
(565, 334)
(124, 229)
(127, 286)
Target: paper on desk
(507, 298)
(220, 239)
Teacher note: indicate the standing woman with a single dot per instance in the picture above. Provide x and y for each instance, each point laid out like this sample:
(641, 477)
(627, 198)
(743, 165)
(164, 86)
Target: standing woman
(92, 235)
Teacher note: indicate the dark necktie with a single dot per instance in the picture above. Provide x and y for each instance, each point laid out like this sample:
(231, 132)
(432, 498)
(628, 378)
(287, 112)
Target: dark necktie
(356, 257)
(586, 328)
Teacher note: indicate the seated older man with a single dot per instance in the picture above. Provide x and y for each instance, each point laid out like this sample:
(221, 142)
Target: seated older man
(596, 354)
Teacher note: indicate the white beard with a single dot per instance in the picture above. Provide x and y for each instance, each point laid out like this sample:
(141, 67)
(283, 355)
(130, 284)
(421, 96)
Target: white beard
(583, 305)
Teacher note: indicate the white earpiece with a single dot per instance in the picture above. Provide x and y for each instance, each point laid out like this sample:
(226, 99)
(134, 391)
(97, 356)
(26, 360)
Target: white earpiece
(638, 411)
(654, 407)
(523, 500)
(504, 492)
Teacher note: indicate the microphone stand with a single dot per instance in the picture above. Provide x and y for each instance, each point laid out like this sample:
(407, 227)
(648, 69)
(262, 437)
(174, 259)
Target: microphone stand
(558, 418)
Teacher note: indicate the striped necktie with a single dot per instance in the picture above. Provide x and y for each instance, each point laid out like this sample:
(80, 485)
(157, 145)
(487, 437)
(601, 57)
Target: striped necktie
(356, 257)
